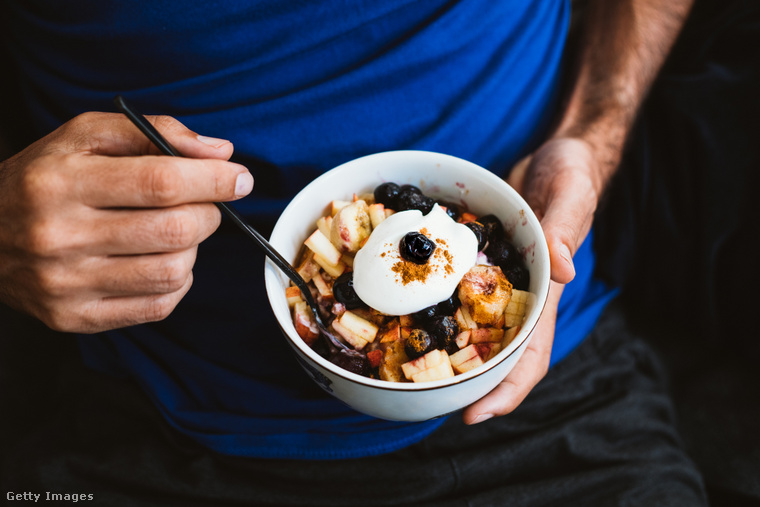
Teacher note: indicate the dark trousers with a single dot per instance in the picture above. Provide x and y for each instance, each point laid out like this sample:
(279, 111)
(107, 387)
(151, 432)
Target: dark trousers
(600, 429)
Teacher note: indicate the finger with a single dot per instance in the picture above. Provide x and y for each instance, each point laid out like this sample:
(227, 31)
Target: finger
(113, 134)
(528, 371)
(566, 222)
(561, 239)
(117, 312)
(152, 181)
(148, 231)
(142, 275)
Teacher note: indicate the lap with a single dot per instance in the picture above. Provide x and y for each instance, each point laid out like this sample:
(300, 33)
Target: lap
(598, 430)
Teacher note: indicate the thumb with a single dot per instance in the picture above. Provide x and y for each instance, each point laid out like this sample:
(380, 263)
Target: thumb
(112, 134)
(189, 143)
(565, 226)
(557, 183)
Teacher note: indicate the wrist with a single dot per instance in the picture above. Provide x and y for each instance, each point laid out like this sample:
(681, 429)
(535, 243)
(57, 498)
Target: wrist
(603, 138)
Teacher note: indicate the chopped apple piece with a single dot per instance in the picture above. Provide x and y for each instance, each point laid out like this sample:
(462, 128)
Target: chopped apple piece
(429, 360)
(324, 288)
(509, 335)
(323, 247)
(406, 321)
(293, 295)
(375, 357)
(514, 313)
(464, 319)
(338, 309)
(376, 214)
(487, 349)
(388, 212)
(391, 332)
(306, 326)
(308, 268)
(521, 296)
(368, 197)
(351, 227)
(487, 334)
(323, 224)
(337, 205)
(463, 338)
(394, 356)
(352, 338)
(363, 328)
(334, 270)
(442, 371)
(465, 359)
(364, 313)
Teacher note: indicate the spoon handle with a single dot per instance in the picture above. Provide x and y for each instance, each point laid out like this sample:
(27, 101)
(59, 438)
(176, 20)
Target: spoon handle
(166, 148)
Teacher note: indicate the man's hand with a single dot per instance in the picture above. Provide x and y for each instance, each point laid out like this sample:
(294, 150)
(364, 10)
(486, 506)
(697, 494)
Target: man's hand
(96, 232)
(560, 182)
(623, 46)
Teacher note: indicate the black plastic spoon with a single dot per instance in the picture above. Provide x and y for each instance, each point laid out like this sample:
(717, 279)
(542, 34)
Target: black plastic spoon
(167, 149)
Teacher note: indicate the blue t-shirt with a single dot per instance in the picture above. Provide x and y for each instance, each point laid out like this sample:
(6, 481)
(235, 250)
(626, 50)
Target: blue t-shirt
(299, 87)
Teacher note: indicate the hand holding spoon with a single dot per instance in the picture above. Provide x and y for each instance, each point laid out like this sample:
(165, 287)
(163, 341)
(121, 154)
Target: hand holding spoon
(355, 359)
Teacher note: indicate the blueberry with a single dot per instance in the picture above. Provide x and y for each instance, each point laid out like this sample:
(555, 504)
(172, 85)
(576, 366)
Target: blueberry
(519, 276)
(425, 314)
(343, 290)
(416, 247)
(444, 330)
(452, 210)
(480, 233)
(408, 199)
(448, 306)
(501, 252)
(353, 363)
(494, 227)
(387, 194)
(419, 343)
(411, 188)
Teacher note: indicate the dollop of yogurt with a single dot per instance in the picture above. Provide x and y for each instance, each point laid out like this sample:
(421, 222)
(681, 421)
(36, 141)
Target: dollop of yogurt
(394, 286)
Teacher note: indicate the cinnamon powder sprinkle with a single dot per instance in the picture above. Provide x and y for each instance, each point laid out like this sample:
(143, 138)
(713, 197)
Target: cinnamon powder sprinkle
(411, 272)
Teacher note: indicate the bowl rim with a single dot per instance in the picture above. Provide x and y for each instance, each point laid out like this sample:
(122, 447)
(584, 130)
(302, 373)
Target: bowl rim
(273, 275)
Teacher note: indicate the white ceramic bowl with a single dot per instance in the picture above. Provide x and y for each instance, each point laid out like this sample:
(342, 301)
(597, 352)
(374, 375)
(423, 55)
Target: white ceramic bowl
(440, 176)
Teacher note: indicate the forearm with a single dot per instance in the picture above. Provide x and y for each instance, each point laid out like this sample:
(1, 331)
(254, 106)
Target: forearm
(622, 48)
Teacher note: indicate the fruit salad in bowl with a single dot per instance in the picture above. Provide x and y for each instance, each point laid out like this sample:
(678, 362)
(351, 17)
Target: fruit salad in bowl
(433, 268)
(426, 289)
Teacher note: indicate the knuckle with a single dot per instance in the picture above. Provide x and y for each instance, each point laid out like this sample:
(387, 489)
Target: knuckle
(158, 308)
(162, 186)
(78, 128)
(51, 283)
(60, 320)
(210, 218)
(80, 121)
(41, 239)
(164, 122)
(180, 229)
(173, 275)
(38, 181)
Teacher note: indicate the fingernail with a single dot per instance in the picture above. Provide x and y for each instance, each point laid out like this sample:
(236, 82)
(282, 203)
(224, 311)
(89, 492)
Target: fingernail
(481, 418)
(212, 141)
(243, 184)
(564, 252)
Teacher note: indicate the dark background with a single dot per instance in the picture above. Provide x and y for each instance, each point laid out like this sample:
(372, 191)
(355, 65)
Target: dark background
(678, 231)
